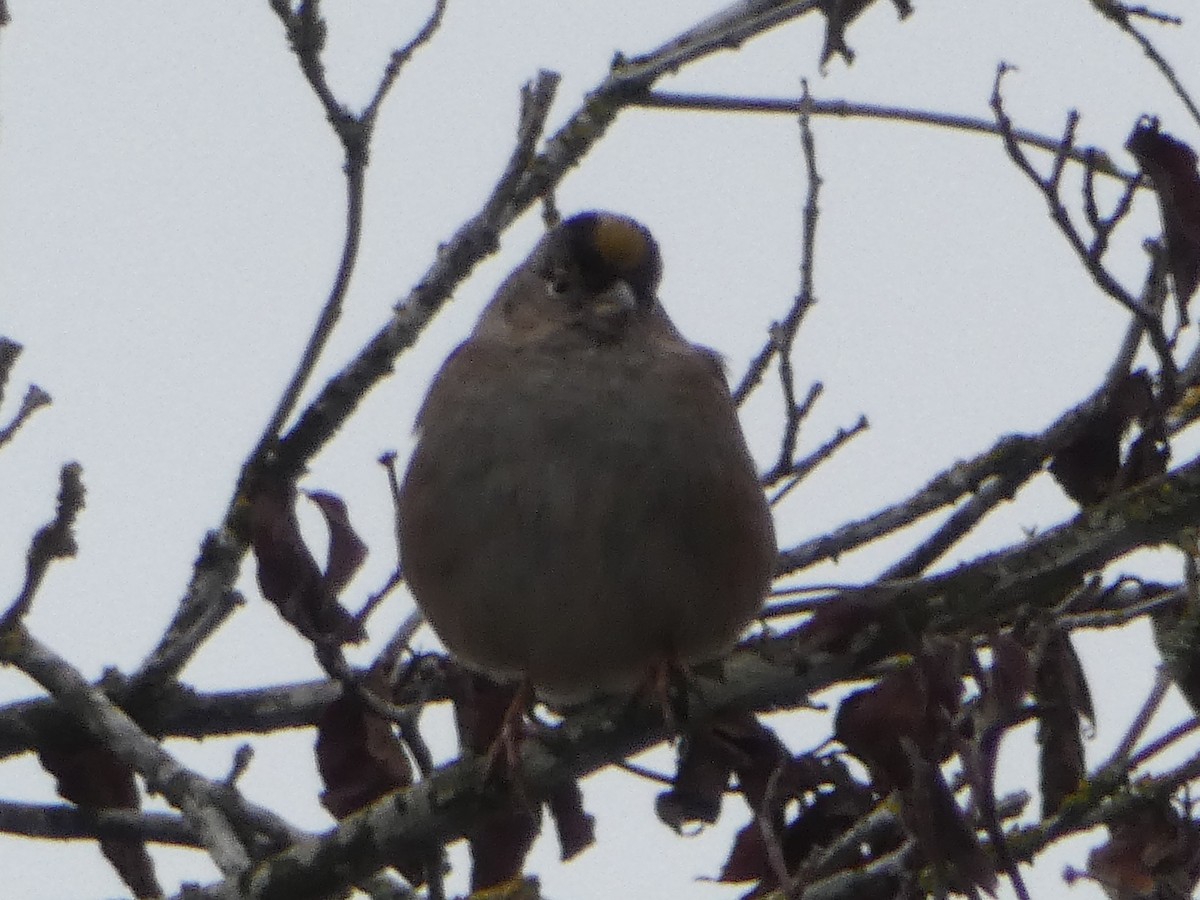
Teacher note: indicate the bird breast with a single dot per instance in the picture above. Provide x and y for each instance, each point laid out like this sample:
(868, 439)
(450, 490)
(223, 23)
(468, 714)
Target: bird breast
(571, 518)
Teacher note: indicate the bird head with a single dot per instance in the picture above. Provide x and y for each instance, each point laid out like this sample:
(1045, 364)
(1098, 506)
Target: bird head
(603, 269)
(588, 282)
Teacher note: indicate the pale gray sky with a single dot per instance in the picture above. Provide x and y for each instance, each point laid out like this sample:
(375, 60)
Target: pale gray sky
(172, 212)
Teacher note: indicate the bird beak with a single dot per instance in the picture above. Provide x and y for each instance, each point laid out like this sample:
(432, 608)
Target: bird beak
(617, 302)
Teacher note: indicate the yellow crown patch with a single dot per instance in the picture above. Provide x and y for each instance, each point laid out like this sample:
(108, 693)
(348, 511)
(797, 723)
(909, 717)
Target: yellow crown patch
(621, 242)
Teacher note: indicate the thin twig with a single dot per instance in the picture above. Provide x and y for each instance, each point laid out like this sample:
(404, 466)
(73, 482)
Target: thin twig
(794, 414)
(35, 398)
(396, 578)
(399, 59)
(1122, 16)
(306, 31)
(9, 351)
(55, 540)
(848, 110)
(1158, 745)
(644, 772)
(771, 842)
(209, 598)
(1137, 728)
(192, 795)
(1103, 226)
(1049, 188)
(306, 34)
(990, 494)
(802, 468)
(782, 335)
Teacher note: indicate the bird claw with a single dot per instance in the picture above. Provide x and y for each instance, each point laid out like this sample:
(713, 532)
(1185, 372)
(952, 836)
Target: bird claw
(506, 744)
(667, 686)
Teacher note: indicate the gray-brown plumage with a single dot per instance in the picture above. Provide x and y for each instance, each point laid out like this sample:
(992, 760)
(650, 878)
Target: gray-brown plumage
(581, 505)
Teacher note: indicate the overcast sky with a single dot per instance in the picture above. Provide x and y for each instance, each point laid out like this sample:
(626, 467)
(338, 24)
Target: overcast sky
(171, 206)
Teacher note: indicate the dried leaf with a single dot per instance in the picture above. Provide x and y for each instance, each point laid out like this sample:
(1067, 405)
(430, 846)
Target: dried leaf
(709, 753)
(346, 550)
(1177, 635)
(878, 724)
(1063, 697)
(943, 833)
(1152, 853)
(94, 778)
(854, 627)
(288, 574)
(360, 760)
(902, 730)
(358, 755)
(701, 779)
(1170, 164)
(1090, 468)
(489, 723)
(575, 827)
(1010, 676)
(828, 801)
(500, 840)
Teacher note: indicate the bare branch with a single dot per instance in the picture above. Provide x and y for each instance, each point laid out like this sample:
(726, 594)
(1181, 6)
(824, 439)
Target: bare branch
(802, 468)
(399, 59)
(845, 109)
(59, 822)
(989, 495)
(1049, 187)
(1122, 16)
(9, 351)
(35, 398)
(188, 792)
(55, 540)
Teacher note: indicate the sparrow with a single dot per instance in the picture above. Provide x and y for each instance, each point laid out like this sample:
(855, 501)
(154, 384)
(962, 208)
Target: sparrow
(581, 506)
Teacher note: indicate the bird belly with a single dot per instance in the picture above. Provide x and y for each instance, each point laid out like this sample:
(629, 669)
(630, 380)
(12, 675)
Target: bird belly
(573, 549)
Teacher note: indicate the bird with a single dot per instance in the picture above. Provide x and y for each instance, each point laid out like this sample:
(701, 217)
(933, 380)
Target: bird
(581, 506)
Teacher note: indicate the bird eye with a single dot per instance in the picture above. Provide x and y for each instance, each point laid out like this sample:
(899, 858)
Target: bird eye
(558, 283)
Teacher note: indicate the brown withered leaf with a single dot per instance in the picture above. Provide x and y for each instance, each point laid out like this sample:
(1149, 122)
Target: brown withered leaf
(698, 788)
(1177, 636)
(1152, 853)
(944, 835)
(902, 730)
(346, 549)
(710, 753)
(1147, 458)
(828, 801)
(359, 756)
(1010, 676)
(909, 707)
(488, 723)
(857, 626)
(94, 778)
(575, 827)
(361, 759)
(1063, 698)
(1003, 687)
(1090, 468)
(288, 575)
(482, 709)
(1170, 164)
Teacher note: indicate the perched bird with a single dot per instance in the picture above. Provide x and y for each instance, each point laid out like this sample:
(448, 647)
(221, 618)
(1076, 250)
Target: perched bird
(581, 506)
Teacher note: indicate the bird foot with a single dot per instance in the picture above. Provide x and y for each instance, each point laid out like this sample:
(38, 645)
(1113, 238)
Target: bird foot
(666, 687)
(503, 755)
